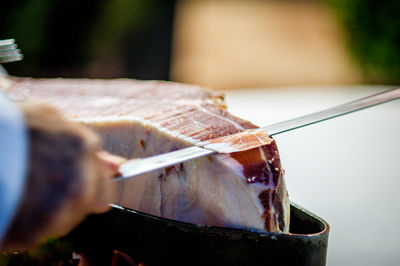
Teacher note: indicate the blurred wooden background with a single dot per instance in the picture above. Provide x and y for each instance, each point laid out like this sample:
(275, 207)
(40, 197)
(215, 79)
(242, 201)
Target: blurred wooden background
(222, 44)
(241, 44)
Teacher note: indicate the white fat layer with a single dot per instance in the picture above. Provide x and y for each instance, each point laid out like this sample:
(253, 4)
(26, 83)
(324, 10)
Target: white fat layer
(209, 190)
(99, 121)
(213, 193)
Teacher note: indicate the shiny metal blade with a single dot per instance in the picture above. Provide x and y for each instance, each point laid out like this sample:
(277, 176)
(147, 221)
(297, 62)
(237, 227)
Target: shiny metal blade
(140, 166)
(353, 106)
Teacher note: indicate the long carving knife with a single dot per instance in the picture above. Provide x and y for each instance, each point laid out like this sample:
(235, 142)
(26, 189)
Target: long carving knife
(137, 167)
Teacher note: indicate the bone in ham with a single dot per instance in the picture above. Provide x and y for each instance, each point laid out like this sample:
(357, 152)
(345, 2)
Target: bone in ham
(242, 186)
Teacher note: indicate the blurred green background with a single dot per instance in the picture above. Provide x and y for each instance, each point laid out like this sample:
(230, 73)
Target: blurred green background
(105, 38)
(123, 38)
(373, 36)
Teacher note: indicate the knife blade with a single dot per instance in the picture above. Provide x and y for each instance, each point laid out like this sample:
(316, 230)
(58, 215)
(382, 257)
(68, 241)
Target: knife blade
(137, 167)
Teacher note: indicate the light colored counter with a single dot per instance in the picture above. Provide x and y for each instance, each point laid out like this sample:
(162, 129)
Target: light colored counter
(346, 170)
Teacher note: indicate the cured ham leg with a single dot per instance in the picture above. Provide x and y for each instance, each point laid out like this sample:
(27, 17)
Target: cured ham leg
(242, 186)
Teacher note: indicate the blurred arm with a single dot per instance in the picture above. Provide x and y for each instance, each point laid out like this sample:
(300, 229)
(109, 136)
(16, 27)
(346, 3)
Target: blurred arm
(68, 178)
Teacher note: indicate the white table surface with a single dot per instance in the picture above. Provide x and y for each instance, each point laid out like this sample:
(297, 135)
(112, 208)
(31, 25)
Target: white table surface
(345, 170)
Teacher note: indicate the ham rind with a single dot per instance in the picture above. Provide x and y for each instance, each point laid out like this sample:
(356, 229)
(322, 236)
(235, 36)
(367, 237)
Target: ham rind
(242, 186)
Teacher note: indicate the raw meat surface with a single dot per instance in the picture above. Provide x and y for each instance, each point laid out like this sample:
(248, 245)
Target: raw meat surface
(242, 186)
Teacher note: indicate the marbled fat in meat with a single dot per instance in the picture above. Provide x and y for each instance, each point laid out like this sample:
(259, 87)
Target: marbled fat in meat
(242, 186)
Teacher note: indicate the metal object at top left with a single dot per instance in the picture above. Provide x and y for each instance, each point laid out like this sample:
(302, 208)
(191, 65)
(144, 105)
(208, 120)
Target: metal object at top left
(9, 51)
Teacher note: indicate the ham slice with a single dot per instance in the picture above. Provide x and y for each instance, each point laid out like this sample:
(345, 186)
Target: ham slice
(242, 186)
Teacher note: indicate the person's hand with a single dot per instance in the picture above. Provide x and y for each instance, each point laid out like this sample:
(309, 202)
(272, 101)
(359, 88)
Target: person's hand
(68, 177)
